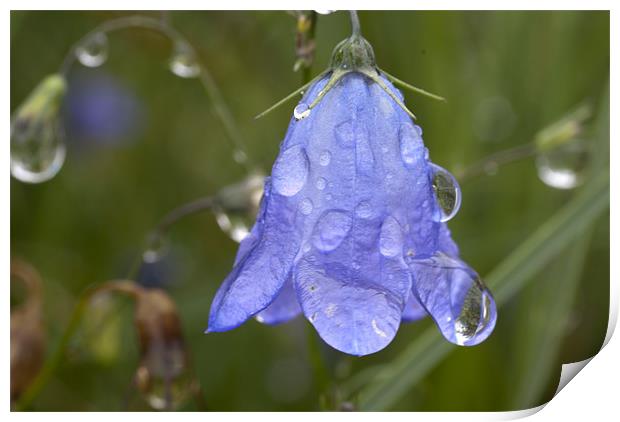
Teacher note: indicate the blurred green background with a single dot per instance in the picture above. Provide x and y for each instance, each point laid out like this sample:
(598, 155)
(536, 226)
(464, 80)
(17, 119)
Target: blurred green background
(506, 75)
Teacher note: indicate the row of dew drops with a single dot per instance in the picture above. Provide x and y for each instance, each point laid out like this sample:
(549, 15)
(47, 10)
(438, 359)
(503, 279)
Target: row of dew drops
(94, 52)
(38, 148)
(37, 137)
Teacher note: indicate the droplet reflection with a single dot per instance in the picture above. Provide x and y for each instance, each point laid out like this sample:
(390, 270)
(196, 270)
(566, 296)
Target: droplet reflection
(37, 141)
(236, 206)
(564, 167)
(183, 62)
(93, 52)
(301, 111)
(447, 192)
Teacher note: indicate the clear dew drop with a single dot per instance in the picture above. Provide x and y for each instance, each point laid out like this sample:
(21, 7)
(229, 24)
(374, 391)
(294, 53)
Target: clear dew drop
(306, 206)
(156, 249)
(93, 52)
(184, 62)
(411, 145)
(363, 209)
(475, 313)
(564, 167)
(344, 134)
(325, 158)
(290, 171)
(447, 192)
(301, 111)
(330, 230)
(37, 150)
(321, 183)
(391, 238)
(235, 225)
(163, 378)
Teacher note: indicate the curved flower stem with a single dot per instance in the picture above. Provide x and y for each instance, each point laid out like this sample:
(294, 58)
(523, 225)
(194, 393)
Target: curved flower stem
(493, 161)
(304, 42)
(163, 26)
(356, 29)
(158, 233)
(182, 211)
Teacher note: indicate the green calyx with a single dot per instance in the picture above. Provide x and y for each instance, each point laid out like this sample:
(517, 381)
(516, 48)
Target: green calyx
(354, 54)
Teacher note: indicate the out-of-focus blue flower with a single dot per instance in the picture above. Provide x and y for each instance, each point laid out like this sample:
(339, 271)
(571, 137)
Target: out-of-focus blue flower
(100, 111)
(350, 230)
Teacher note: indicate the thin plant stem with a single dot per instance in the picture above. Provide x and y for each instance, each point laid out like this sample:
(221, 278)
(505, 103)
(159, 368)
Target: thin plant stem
(317, 361)
(182, 211)
(496, 160)
(355, 23)
(307, 70)
(158, 233)
(163, 26)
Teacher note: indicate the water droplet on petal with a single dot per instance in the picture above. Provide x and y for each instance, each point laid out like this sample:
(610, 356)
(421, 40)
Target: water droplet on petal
(93, 52)
(364, 156)
(564, 166)
(306, 206)
(391, 238)
(184, 62)
(456, 297)
(290, 171)
(325, 158)
(330, 230)
(37, 150)
(344, 135)
(301, 111)
(475, 313)
(363, 209)
(321, 183)
(447, 192)
(411, 146)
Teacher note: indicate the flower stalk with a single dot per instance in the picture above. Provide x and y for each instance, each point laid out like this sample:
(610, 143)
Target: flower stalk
(354, 55)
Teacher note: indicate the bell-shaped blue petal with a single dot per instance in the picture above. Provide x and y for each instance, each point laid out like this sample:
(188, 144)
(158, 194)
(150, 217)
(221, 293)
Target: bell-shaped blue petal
(262, 266)
(284, 308)
(413, 310)
(350, 231)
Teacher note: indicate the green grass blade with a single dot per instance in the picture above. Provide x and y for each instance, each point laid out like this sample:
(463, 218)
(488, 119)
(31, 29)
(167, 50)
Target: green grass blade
(546, 323)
